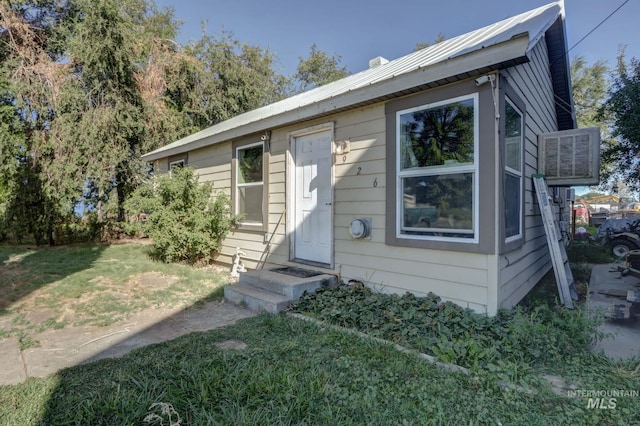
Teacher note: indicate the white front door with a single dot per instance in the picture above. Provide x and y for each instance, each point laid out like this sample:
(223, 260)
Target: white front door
(313, 215)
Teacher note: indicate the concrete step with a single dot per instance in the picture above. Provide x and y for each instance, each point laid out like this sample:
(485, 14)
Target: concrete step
(288, 285)
(256, 299)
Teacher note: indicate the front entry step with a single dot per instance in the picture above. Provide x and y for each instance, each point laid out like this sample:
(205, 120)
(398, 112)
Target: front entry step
(274, 290)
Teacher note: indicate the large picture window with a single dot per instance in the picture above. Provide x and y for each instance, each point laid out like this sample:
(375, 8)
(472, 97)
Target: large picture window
(513, 172)
(249, 188)
(437, 167)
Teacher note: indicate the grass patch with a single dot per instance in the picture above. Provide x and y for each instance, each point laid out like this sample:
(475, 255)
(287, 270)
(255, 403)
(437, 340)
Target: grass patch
(589, 252)
(25, 341)
(582, 256)
(295, 372)
(93, 285)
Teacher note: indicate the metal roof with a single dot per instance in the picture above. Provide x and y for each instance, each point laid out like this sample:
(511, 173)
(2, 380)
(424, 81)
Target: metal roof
(505, 43)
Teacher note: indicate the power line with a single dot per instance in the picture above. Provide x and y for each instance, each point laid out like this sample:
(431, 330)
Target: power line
(591, 32)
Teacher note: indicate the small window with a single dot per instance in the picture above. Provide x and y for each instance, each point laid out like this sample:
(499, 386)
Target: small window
(177, 161)
(249, 199)
(176, 164)
(513, 172)
(437, 170)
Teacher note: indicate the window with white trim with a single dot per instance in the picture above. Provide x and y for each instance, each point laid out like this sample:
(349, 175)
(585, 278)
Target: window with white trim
(177, 161)
(437, 167)
(249, 190)
(513, 171)
(176, 164)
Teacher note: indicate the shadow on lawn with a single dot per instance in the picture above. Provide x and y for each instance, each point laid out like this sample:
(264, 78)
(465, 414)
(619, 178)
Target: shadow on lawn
(24, 270)
(109, 389)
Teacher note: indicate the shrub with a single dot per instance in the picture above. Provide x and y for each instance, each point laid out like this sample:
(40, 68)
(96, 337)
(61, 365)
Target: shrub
(588, 252)
(181, 217)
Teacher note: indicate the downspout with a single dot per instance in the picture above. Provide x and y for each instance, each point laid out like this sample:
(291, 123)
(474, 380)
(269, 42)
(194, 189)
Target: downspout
(493, 276)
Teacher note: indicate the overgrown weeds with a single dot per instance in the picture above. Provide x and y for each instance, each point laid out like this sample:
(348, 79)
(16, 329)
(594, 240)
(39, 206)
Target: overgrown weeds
(537, 335)
(588, 252)
(582, 256)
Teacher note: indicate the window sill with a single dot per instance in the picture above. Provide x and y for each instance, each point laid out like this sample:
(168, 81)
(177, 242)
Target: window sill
(252, 227)
(458, 244)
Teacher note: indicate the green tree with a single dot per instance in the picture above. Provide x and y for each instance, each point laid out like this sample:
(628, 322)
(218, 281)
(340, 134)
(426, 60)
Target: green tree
(423, 44)
(237, 77)
(318, 69)
(32, 72)
(590, 84)
(87, 86)
(92, 82)
(623, 106)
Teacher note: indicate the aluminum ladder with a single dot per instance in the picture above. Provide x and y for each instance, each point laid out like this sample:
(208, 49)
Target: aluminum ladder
(561, 268)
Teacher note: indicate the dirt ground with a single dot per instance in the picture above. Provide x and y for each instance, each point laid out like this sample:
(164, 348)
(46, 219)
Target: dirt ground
(41, 309)
(44, 332)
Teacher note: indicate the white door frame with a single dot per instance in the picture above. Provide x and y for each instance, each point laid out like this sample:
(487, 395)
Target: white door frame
(291, 194)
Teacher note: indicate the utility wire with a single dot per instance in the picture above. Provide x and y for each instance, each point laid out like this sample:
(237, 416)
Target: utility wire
(591, 32)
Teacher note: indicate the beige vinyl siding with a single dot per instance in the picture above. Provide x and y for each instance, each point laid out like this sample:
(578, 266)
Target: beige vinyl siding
(522, 268)
(359, 191)
(213, 164)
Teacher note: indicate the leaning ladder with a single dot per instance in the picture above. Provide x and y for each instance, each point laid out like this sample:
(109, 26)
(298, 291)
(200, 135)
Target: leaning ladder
(561, 268)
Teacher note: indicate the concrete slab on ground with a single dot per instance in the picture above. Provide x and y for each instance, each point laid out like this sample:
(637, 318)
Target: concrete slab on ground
(604, 285)
(72, 346)
(13, 368)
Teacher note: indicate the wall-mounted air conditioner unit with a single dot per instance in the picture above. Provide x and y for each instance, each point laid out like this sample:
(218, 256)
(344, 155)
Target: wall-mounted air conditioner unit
(570, 157)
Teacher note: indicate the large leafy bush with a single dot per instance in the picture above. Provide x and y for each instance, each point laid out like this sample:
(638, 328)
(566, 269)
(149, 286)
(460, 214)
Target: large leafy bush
(180, 215)
(451, 333)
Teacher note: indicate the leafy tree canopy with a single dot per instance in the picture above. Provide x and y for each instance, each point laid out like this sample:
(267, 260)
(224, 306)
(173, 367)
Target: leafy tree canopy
(623, 107)
(87, 86)
(318, 69)
(424, 44)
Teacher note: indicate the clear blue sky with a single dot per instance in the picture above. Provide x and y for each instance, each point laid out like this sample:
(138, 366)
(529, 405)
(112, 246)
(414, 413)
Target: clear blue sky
(358, 30)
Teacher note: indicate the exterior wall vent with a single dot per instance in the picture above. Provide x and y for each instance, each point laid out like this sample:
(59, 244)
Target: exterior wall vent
(570, 157)
(376, 62)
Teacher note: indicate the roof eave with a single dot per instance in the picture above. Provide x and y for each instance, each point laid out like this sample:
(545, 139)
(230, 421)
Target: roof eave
(560, 67)
(486, 59)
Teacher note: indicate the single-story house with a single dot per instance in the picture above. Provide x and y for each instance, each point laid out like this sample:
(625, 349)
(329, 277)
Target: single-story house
(413, 175)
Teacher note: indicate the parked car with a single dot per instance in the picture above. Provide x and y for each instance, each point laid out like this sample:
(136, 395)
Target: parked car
(582, 213)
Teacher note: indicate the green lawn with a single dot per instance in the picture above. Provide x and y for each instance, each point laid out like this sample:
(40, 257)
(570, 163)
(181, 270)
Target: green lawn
(296, 372)
(283, 370)
(92, 285)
